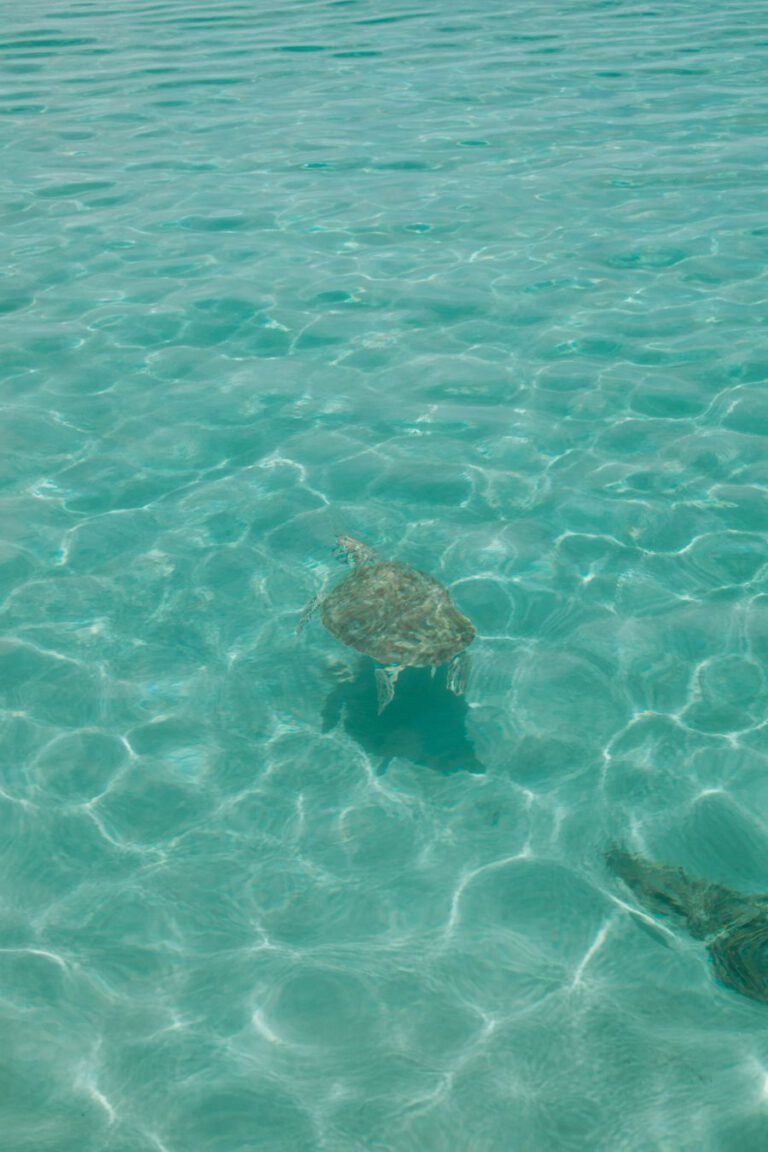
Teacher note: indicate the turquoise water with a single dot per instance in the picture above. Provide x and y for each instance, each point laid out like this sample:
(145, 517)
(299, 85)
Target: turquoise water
(483, 285)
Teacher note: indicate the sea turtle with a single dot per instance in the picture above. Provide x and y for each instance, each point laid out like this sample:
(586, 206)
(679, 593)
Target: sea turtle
(733, 926)
(398, 616)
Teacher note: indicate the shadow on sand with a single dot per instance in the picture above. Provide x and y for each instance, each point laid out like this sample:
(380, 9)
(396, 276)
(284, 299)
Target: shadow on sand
(425, 723)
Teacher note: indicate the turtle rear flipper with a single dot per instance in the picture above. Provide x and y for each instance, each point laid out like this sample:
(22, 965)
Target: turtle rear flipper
(386, 678)
(458, 673)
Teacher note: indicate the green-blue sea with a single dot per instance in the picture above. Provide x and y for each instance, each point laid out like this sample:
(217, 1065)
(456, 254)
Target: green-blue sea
(481, 284)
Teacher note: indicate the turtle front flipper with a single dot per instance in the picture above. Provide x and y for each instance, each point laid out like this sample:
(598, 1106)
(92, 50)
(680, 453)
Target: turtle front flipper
(660, 889)
(307, 614)
(734, 926)
(386, 678)
(458, 673)
(704, 908)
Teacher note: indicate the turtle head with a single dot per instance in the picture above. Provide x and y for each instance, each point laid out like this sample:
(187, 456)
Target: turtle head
(353, 552)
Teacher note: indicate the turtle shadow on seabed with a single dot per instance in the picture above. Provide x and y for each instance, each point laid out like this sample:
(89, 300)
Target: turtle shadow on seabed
(424, 723)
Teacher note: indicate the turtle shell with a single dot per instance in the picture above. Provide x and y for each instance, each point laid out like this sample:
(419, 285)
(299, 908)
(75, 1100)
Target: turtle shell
(396, 615)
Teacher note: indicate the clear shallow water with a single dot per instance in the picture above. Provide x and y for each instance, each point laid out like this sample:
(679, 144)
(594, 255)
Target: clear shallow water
(487, 289)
